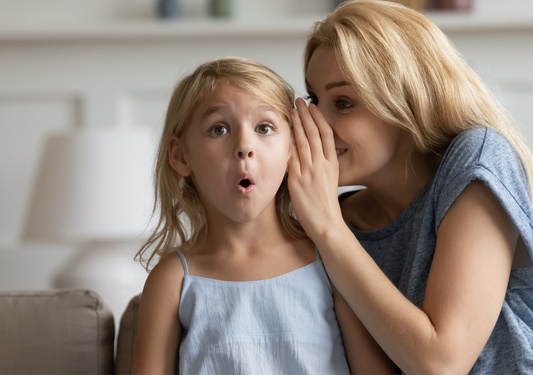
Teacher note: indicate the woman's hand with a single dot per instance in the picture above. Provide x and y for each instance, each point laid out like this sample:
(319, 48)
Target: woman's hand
(314, 172)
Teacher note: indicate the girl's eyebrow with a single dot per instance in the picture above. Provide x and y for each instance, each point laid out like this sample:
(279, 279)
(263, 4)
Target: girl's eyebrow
(267, 108)
(210, 111)
(218, 108)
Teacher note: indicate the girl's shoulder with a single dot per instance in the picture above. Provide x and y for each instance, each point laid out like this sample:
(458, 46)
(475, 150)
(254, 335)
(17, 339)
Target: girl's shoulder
(166, 279)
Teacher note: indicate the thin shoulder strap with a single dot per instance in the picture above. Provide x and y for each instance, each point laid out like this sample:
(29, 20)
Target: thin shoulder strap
(317, 254)
(183, 262)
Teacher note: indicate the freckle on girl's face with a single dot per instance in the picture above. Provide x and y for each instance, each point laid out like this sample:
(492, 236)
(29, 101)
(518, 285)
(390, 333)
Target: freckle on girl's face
(238, 148)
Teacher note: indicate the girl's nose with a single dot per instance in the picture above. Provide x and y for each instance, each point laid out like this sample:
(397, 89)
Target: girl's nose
(244, 147)
(245, 153)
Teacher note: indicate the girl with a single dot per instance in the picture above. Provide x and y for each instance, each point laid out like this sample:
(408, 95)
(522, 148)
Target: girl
(245, 292)
(434, 255)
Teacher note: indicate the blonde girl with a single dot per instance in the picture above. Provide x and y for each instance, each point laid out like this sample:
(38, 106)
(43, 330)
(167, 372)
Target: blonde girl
(434, 256)
(239, 288)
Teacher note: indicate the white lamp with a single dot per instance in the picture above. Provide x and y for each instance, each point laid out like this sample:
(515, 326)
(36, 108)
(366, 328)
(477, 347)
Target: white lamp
(94, 189)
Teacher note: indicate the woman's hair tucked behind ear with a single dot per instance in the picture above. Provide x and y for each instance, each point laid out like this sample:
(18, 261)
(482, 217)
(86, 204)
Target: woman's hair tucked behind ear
(182, 221)
(408, 73)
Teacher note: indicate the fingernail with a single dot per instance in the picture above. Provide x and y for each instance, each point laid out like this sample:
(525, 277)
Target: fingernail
(312, 106)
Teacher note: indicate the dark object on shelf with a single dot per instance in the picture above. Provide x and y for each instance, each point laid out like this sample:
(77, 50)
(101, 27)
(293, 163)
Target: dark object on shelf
(459, 5)
(168, 9)
(221, 8)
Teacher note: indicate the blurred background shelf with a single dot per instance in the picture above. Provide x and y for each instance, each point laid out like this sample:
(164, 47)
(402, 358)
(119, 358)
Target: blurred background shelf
(212, 28)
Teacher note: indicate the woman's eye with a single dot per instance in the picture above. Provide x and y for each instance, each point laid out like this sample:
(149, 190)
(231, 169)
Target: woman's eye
(218, 130)
(343, 104)
(264, 129)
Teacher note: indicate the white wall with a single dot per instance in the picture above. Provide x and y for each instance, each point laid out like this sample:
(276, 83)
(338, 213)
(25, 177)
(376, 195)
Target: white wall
(101, 63)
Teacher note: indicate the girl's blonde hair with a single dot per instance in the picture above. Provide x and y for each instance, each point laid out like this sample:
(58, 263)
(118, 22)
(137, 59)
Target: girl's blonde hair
(182, 219)
(409, 74)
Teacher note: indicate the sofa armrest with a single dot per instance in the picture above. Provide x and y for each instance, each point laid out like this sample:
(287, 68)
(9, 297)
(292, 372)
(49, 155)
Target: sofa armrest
(127, 336)
(61, 331)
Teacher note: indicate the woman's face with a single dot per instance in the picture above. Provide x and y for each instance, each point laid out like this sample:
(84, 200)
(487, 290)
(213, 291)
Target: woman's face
(369, 150)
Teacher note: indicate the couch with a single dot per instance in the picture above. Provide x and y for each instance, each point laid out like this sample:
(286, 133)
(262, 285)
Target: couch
(64, 331)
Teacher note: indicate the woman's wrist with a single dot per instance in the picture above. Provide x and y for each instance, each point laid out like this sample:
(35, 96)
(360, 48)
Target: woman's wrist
(330, 231)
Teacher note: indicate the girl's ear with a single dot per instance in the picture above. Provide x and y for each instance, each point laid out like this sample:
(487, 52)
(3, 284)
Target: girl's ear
(177, 157)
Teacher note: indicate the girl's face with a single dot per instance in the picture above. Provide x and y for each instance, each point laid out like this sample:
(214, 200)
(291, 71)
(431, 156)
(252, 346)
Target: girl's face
(236, 150)
(369, 150)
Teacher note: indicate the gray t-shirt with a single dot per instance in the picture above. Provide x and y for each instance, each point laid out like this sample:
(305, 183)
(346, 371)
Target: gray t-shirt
(404, 248)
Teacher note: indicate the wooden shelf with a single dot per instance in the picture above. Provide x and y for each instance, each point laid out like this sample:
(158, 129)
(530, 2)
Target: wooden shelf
(180, 29)
(208, 28)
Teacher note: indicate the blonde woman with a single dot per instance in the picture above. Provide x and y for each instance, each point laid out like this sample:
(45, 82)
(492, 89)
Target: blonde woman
(434, 256)
(239, 288)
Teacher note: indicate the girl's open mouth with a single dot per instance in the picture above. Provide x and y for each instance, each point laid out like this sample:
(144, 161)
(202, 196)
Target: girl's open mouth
(246, 184)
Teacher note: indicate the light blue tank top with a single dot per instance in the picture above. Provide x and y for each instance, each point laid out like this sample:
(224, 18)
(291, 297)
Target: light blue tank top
(283, 325)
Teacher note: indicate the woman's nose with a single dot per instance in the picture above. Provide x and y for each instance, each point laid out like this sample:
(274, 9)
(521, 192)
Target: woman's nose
(326, 114)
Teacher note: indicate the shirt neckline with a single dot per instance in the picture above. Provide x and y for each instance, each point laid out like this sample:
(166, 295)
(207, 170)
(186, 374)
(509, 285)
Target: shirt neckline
(212, 280)
(397, 223)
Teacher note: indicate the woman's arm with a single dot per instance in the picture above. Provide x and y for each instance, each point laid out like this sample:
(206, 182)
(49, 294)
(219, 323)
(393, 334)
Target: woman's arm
(365, 356)
(468, 277)
(159, 328)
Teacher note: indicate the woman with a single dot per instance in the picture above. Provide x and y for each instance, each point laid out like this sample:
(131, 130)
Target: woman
(434, 255)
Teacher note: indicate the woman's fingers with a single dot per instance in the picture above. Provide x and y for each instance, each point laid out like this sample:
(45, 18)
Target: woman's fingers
(300, 139)
(326, 134)
(294, 160)
(310, 128)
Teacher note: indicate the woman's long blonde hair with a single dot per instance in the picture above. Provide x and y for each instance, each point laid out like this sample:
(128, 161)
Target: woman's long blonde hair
(408, 73)
(182, 221)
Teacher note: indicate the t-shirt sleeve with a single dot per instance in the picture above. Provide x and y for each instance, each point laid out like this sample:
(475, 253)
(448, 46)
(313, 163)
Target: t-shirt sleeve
(485, 155)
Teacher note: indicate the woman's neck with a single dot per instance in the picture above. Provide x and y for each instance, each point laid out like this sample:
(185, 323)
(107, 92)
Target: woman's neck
(390, 194)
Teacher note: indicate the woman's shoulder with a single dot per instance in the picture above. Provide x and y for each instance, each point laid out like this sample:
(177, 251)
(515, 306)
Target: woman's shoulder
(479, 154)
(480, 144)
(478, 148)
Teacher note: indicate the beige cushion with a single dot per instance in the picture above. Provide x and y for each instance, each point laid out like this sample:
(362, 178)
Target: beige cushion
(127, 336)
(55, 332)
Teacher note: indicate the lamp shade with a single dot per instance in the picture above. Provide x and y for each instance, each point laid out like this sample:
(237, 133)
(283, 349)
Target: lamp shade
(93, 186)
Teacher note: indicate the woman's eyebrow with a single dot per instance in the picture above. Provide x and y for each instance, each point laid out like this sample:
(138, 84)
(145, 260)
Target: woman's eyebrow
(329, 86)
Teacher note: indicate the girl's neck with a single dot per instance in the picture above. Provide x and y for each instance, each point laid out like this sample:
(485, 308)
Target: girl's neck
(262, 233)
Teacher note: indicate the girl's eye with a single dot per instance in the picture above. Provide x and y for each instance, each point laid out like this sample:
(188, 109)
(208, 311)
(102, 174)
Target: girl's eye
(264, 129)
(218, 130)
(312, 98)
(343, 104)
